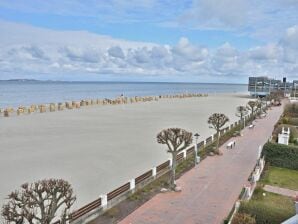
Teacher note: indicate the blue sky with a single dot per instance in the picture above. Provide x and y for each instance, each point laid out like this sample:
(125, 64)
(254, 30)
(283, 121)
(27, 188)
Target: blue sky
(199, 40)
(150, 30)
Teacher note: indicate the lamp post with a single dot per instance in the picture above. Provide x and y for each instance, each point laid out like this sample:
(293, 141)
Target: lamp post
(295, 91)
(196, 147)
(244, 122)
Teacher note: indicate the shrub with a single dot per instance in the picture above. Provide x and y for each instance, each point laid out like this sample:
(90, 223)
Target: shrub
(243, 218)
(285, 120)
(265, 213)
(291, 110)
(293, 121)
(112, 212)
(281, 155)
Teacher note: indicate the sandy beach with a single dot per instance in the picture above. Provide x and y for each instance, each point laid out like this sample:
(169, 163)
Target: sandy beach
(98, 148)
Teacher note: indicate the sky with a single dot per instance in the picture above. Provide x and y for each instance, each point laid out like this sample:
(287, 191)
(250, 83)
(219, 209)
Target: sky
(148, 40)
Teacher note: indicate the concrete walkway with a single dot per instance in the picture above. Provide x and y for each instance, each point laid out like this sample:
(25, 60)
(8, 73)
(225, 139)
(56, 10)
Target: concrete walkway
(209, 190)
(282, 191)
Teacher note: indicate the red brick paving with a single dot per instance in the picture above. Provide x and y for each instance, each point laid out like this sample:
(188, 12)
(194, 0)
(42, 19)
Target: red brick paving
(209, 190)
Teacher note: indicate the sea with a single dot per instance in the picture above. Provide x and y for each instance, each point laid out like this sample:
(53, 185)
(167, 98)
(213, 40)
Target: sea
(23, 93)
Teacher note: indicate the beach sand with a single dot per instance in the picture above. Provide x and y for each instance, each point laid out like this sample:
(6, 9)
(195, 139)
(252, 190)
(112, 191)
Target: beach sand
(99, 148)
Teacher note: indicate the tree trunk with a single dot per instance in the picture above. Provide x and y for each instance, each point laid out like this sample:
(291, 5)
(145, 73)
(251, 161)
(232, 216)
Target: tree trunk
(173, 173)
(217, 142)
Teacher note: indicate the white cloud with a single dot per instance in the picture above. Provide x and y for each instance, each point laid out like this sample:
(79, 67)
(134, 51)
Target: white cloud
(116, 52)
(268, 52)
(186, 51)
(80, 54)
(218, 13)
(74, 53)
(289, 44)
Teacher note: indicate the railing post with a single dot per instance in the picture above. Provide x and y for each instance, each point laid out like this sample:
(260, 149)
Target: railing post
(260, 152)
(104, 200)
(184, 154)
(171, 162)
(132, 184)
(154, 172)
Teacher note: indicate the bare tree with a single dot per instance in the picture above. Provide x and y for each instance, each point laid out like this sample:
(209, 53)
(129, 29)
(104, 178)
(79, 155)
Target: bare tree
(39, 202)
(217, 121)
(261, 105)
(267, 99)
(176, 139)
(252, 106)
(277, 96)
(241, 111)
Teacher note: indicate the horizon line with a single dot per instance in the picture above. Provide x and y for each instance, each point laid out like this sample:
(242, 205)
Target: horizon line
(86, 81)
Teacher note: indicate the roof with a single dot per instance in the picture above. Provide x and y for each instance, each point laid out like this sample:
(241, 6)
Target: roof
(293, 220)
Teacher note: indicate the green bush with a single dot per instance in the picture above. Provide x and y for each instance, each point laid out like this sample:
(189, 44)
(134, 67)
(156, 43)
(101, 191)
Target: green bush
(265, 213)
(281, 155)
(291, 110)
(112, 212)
(285, 120)
(293, 121)
(243, 218)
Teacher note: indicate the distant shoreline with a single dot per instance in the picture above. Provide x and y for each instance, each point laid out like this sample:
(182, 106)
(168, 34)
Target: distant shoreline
(26, 92)
(77, 81)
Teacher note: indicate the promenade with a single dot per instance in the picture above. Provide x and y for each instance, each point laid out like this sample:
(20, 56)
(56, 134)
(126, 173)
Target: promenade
(209, 190)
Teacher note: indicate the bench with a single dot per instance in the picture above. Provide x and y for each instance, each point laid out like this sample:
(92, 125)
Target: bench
(231, 144)
(251, 126)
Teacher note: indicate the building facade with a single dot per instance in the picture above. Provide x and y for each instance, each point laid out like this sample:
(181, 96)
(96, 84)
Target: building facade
(262, 86)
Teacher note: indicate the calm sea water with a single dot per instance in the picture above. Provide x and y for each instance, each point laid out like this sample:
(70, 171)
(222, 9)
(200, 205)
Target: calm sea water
(15, 93)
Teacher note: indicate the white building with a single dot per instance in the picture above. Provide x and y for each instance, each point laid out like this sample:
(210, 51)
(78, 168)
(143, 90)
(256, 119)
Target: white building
(284, 136)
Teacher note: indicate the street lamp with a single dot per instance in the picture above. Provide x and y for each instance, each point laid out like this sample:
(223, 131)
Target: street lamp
(295, 91)
(196, 148)
(244, 121)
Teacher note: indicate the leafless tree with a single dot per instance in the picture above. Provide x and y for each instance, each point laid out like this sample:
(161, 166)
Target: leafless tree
(217, 121)
(39, 202)
(241, 111)
(252, 106)
(277, 96)
(268, 99)
(176, 139)
(262, 105)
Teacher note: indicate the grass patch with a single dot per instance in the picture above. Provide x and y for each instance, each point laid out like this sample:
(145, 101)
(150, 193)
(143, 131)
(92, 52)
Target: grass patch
(281, 177)
(184, 166)
(112, 212)
(150, 189)
(272, 208)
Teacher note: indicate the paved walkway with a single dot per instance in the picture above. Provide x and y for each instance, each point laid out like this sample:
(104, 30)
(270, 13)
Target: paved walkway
(209, 190)
(282, 191)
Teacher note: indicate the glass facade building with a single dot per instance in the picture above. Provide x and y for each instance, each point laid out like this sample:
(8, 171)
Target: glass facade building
(263, 86)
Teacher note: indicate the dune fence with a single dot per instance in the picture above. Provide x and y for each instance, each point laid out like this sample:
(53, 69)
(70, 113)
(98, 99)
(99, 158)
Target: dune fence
(69, 105)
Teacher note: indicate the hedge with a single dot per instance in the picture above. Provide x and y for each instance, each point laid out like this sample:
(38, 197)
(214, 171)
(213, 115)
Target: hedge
(264, 213)
(281, 155)
(293, 121)
(243, 218)
(291, 110)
